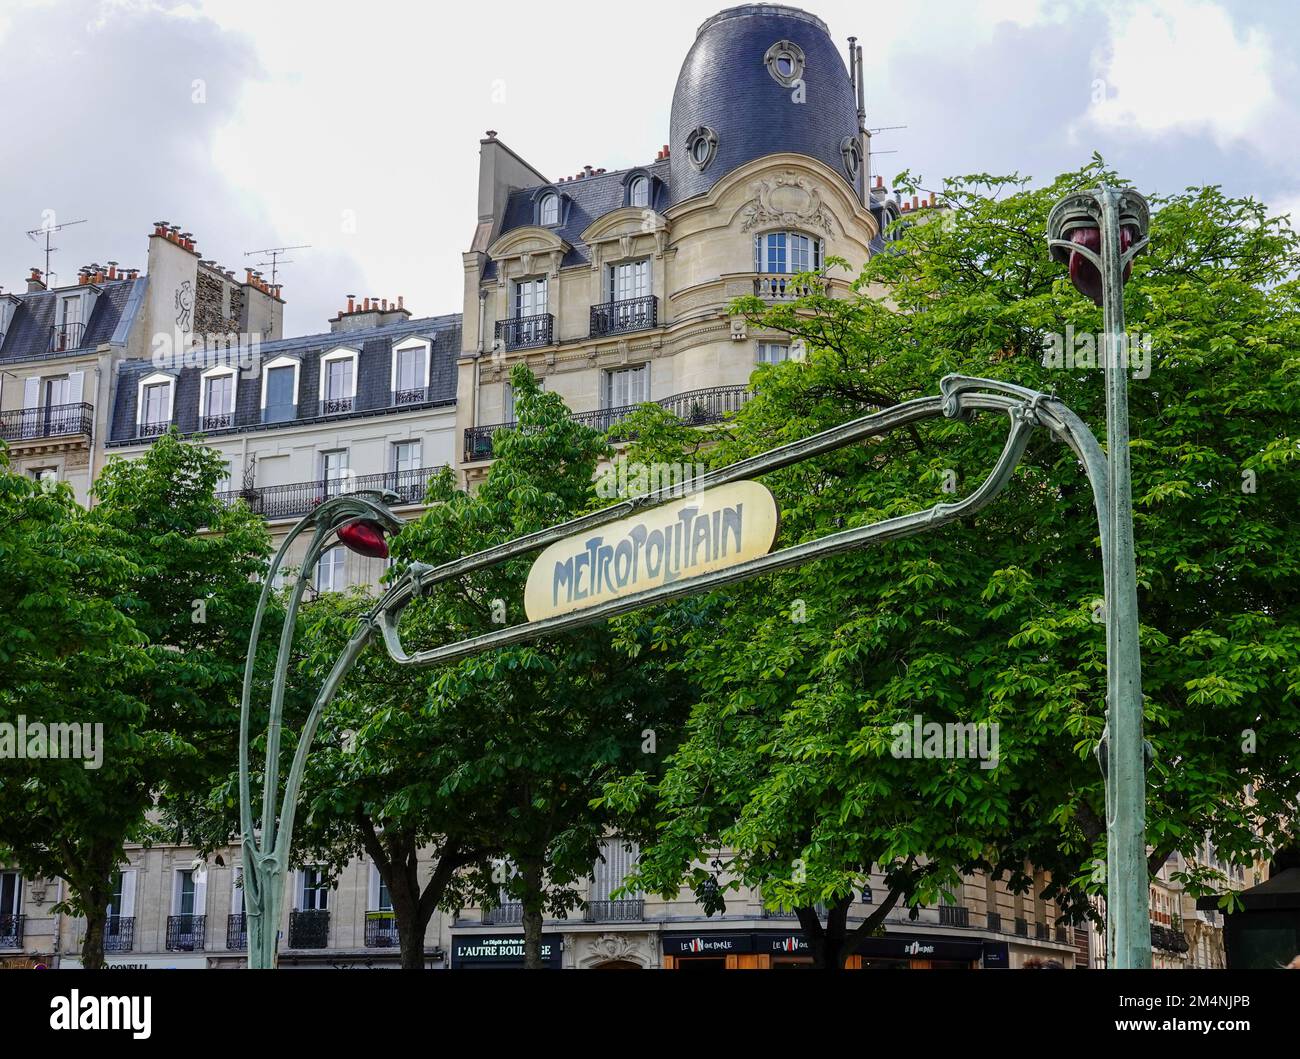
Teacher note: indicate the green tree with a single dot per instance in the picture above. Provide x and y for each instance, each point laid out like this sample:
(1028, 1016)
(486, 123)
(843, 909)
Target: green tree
(788, 758)
(134, 616)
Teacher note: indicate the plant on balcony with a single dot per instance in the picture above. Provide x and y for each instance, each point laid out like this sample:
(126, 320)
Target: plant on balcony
(102, 606)
(789, 757)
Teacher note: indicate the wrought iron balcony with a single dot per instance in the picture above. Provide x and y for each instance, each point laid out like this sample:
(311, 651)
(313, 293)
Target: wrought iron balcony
(1022, 927)
(526, 332)
(620, 317)
(418, 395)
(298, 498)
(510, 914)
(954, 916)
(615, 911)
(780, 286)
(1062, 933)
(64, 337)
(309, 929)
(11, 931)
(381, 930)
(1040, 931)
(695, 407)
(237, 931)
(333, 406)
(221, 421)
(52, 421)
(185, 933)
(119, 934)
(154, 429)
(995, 921)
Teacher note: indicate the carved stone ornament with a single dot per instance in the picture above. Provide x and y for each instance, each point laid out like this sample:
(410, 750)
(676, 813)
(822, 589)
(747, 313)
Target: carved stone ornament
(786, 201)
(610, 947)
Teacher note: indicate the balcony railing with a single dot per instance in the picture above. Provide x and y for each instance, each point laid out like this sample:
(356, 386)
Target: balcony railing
(52, 421)
(119, 934)
(237, 931)
(778, 286)
(66, 336)
(1062, 934)
(1022, 927)
(1040, 931)
(995, 921)
(333, 406)
(620, 317)
(153, 429)
(615, 911)
(695, 407)
(381, 930)
(526, 332)
(298, 498)
(510, 914)
(954, 916)
(185, 933)
(417, 395)
(11, 931)
(220, 421)
(309, 929)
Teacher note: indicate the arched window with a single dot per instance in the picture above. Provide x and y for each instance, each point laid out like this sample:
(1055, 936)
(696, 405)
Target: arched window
(638, 191)
(548, 209)
(787, 252)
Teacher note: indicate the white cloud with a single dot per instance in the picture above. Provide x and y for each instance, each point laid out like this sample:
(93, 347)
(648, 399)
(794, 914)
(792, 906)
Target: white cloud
(1182, 66)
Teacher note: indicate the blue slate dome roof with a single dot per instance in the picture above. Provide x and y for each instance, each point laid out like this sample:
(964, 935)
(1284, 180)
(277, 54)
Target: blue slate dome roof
(726, 86)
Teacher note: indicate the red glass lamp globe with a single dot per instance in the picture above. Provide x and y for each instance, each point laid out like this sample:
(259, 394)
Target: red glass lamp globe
(365, 537)
(1083, 273)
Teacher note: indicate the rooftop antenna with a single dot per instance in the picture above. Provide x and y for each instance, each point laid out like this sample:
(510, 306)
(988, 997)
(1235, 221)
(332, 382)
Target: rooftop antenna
(47, 230)
(275, 252)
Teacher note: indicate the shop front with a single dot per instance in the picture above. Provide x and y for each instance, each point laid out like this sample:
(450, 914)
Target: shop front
(501, 951)
(789, 950)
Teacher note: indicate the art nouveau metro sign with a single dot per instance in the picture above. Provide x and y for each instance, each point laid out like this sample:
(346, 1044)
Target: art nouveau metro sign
(696, 535)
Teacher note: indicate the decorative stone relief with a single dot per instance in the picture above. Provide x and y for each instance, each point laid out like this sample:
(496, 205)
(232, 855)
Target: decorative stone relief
(787, 200)
(607, 948)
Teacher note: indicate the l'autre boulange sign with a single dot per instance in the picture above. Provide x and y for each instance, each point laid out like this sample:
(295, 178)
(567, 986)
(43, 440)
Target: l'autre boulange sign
(689, 537)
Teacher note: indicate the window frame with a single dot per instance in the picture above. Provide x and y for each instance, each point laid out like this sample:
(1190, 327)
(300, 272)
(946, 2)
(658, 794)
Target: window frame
(408, 345)
(763, 258)
(544, 201)
(282, 362)
(339, 566)
(156, 378)
(218, 371)
(335, 356)
(608, 383)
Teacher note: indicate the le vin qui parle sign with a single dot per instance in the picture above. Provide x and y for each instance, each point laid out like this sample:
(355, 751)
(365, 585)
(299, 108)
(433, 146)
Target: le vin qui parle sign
(686, 538)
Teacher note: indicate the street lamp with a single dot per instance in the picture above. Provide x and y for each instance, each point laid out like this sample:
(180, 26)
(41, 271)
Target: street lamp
(1097, 233)
(360, 520)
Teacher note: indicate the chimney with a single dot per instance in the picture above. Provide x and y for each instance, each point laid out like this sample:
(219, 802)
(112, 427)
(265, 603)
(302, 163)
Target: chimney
(34, 281)
(351, 300)
(401, 301)
(112, 270)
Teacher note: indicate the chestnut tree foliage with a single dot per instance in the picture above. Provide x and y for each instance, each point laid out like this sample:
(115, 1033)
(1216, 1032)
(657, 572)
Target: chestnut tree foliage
(786, 761)
(132, 615)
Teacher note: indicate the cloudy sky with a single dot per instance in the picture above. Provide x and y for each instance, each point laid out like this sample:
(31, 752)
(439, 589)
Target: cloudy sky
(355, 127)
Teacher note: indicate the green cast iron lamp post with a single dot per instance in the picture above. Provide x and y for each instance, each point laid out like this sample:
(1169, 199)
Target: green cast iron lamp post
(1097, 233)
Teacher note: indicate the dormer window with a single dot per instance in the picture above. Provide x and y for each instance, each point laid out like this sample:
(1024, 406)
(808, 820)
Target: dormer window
(69, 325)
(153, 407)
(701, 146)
(410, 372)
(217, 398)
(280, 390)
(638, 191)
(548, 210)
(338, 381)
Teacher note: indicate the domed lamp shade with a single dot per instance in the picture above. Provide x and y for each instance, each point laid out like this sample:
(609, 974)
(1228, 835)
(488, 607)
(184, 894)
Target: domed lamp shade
(365, 537)
(1083, 273)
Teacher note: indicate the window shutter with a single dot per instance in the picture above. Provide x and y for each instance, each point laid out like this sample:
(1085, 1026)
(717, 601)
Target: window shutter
(32, 392)
(200, 892)
(76, 380)
(128, 893)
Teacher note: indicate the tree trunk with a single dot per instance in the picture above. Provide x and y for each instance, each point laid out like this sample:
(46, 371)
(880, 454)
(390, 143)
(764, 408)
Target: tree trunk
(92, 893)
(532, 900)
